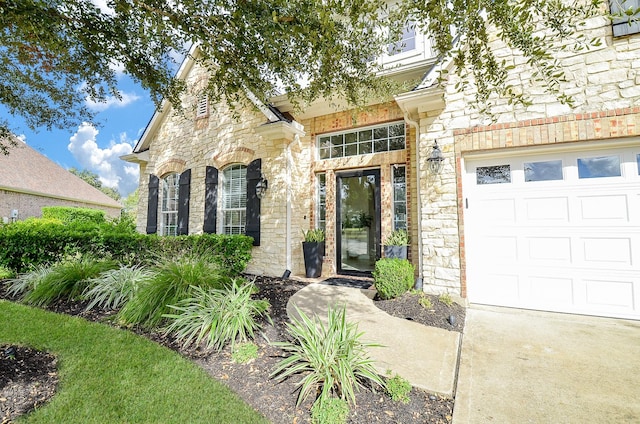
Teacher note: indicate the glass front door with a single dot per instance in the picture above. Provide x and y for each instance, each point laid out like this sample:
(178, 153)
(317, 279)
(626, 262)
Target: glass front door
(358, 217)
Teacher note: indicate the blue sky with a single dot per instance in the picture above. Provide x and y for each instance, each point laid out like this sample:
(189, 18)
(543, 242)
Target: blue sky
(120, 124)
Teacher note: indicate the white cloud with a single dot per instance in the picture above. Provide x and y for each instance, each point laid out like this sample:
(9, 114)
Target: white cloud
(113, 171)
(103, 6)
(22, 138)
(125, 100)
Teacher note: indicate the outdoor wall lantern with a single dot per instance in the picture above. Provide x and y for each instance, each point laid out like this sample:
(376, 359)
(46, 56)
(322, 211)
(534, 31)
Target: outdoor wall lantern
(436, 161)
(261, 187)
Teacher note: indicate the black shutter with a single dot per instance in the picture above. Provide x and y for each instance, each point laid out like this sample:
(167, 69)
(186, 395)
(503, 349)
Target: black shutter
(152, 207)
(254, 173)
(184, 191)
(210, 200)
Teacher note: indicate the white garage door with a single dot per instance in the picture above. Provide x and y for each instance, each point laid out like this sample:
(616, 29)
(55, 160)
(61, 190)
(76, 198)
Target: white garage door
(556, 232)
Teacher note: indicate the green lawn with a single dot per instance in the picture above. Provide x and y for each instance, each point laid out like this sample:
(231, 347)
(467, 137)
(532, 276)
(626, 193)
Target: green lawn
(114, 376)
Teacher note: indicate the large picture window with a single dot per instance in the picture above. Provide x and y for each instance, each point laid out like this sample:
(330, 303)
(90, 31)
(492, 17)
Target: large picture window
(381, 138)
(234, 200)
(169, 206)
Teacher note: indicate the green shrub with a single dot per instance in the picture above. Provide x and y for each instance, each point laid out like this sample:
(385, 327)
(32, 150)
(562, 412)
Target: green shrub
(392, 277)
(32, 242)
(67, 214)
(397, 238)
(25, 283)
(38, 241)
(316, 235)
(173, 281)
(398, 388)
(331, 411)
(244, 353)
(113, 288)
(425, 301)
(221, 316)
(446, 299)
(67, 279)
(6, 273)
(331, 358)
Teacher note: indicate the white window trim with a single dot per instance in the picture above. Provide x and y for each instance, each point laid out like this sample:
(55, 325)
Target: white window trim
(164, 214)
(356, 130)
(222, 197)
(319, 204)
(393, 197)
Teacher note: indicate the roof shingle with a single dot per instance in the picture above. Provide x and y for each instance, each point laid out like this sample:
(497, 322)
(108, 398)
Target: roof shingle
(27, 171)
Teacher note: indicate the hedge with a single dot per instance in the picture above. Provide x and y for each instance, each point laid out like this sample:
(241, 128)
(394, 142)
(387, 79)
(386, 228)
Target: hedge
(68, 214)
(24, 244)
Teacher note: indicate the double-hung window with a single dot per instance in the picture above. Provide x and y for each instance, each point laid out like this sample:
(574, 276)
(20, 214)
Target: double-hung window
(406, 43)
(234, 200)
(169, 207)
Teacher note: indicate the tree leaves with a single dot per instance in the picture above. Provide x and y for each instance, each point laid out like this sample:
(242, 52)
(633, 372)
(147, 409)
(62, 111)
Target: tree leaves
(54, 54)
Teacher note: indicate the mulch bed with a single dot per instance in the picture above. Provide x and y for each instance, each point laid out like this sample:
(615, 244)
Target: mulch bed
(275, 400)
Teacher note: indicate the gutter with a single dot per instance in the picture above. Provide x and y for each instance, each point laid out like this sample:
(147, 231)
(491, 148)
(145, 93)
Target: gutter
(416, 125)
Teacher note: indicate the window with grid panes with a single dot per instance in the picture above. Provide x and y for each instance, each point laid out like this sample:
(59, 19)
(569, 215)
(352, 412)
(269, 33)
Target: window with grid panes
(321, 201)
(169, 205)
(381, 138)
(234, 199)
(399, 198)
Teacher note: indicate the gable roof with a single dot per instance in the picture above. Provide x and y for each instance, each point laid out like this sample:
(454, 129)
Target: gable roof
(26, 171)
(272, 114)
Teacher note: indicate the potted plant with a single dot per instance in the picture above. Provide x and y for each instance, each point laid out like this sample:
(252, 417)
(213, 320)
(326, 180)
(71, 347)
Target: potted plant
(313, 250)
(396, 244)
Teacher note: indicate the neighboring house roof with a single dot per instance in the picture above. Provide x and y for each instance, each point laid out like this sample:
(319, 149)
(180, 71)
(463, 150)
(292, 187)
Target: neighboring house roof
(26, 171)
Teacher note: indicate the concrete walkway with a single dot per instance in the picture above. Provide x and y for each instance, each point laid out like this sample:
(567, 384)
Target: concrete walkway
(534, 367)
(426, 356)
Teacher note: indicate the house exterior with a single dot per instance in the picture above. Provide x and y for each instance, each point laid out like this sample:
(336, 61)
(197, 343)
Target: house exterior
(29, 181)
(538, 209)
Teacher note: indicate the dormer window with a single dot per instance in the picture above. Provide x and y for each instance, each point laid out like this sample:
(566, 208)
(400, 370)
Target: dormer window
(406, 43)
(202, 108)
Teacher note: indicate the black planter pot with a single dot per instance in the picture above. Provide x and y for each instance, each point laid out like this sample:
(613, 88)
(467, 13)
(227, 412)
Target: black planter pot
(313, 253)
(399, 252)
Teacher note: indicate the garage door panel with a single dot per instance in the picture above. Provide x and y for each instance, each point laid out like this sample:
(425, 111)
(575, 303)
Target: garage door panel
(606, 294)
(545, 290)
(604, 208)
(607, 251)
(549, 249)
(498, 210)
(500, 249)
(545, 210)
(565, 244)
(503, 289)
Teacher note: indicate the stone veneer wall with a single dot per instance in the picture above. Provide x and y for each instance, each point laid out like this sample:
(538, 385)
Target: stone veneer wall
(219, 139)
(30, 205)
(605, 85)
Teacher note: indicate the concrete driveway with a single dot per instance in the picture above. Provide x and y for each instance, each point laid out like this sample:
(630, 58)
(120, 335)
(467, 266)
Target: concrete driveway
(533, 367)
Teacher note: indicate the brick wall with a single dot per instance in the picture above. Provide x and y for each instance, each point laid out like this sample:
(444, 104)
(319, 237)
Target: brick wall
(351, 119)
(29, 205)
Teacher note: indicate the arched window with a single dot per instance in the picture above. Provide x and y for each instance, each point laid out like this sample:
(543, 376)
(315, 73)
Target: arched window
(169, 205)
(234, 199)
